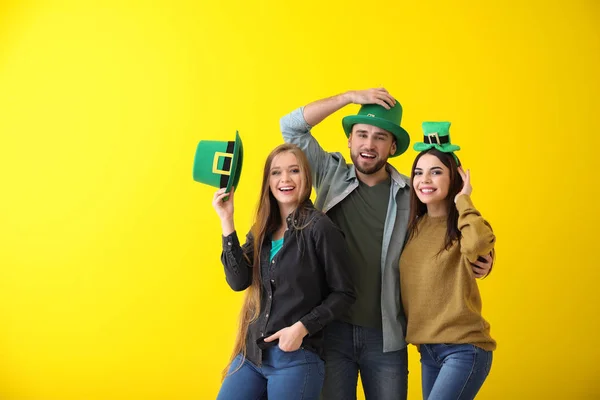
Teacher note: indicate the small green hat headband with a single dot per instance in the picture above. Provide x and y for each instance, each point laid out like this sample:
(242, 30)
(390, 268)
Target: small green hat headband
(436, 135)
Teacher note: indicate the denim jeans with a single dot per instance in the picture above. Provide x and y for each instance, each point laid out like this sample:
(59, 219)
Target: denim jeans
(350, 349)
(296, 375)
(453, 371)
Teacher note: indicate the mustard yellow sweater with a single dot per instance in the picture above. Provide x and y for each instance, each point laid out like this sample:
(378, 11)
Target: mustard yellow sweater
(439, 291)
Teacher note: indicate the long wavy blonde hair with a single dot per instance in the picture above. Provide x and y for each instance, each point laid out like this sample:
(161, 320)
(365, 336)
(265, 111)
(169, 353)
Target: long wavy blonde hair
(267, 220)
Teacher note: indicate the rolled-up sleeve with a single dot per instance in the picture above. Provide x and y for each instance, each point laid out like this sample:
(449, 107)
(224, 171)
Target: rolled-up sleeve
(294, 126)
(296, 130)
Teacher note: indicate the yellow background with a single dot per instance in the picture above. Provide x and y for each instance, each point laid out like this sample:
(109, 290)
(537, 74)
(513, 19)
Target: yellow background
(110, 281)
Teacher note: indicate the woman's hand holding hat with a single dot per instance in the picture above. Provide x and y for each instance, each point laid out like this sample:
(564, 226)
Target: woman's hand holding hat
(223, 205)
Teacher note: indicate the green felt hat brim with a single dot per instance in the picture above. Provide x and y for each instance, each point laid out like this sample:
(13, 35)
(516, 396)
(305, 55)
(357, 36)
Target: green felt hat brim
(402, 137)
(236, 164)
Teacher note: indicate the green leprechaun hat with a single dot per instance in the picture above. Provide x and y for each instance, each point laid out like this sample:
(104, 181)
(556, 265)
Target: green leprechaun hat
(219, 163)
(436, 135)
(374, 114)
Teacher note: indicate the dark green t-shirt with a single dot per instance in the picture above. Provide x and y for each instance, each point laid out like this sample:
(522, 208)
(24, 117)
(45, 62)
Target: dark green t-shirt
(361, 216)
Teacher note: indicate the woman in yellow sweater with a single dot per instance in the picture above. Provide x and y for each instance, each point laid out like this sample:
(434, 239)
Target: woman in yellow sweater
(439, 291)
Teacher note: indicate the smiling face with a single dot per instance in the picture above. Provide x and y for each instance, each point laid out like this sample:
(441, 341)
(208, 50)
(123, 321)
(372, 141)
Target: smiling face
(431, 181)
(370, 148)
(286, 179)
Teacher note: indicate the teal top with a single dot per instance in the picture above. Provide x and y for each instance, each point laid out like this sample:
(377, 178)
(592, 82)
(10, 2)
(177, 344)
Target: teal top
(275, 247)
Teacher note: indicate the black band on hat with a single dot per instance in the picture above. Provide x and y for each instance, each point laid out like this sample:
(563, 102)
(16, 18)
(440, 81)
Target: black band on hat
(433, 138)
(227, 164)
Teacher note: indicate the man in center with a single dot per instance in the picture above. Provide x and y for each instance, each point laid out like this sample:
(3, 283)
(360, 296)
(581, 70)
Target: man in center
(369, 201)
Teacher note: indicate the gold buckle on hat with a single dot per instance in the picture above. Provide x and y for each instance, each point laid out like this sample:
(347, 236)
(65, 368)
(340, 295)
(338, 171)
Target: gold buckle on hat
(435, 136)
(216, 170)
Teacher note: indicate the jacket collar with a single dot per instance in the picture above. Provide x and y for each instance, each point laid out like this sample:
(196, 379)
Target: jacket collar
(297, 217)
(396, 177)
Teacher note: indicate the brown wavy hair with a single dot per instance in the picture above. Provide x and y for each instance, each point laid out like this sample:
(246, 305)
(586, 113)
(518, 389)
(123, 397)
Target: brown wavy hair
(268, 220)
(418, 208)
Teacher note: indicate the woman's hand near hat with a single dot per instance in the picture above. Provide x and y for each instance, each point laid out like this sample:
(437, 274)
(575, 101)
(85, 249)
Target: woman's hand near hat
(467, 188)
(372, 96)
(224, 209)
(484, 264)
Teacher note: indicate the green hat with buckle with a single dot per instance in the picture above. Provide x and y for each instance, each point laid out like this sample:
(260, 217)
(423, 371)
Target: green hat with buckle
(436, 135)
(374, 114)
(219, 163)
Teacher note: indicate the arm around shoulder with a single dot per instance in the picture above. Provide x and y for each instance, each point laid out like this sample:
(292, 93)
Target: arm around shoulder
(296, 126)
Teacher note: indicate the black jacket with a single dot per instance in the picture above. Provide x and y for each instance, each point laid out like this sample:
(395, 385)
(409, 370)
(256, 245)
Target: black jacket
(307, 280)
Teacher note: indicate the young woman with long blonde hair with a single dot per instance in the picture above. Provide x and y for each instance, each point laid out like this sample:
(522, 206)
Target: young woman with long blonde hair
(293, 266)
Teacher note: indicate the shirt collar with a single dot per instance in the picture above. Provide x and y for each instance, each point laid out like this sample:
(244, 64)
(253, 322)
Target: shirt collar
(294, 217)
(397, 178)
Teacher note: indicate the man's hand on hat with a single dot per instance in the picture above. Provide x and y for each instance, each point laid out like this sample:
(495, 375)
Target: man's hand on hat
(372, 96)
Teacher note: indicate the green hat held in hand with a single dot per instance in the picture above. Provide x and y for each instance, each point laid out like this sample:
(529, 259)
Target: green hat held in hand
(219, 163)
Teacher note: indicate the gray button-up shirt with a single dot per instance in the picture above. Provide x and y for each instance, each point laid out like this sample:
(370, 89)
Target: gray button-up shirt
(334, 179)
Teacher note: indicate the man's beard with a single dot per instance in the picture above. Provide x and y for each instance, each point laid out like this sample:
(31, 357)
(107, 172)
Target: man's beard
(367, 171)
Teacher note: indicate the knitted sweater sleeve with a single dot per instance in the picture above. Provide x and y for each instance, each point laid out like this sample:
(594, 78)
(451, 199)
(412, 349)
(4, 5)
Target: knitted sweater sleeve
(477, 237)
(296, 130)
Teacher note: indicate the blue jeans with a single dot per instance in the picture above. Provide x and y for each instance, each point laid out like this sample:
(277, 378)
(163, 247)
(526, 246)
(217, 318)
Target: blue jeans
(350, 349)
(295, 375)
(453, 371)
